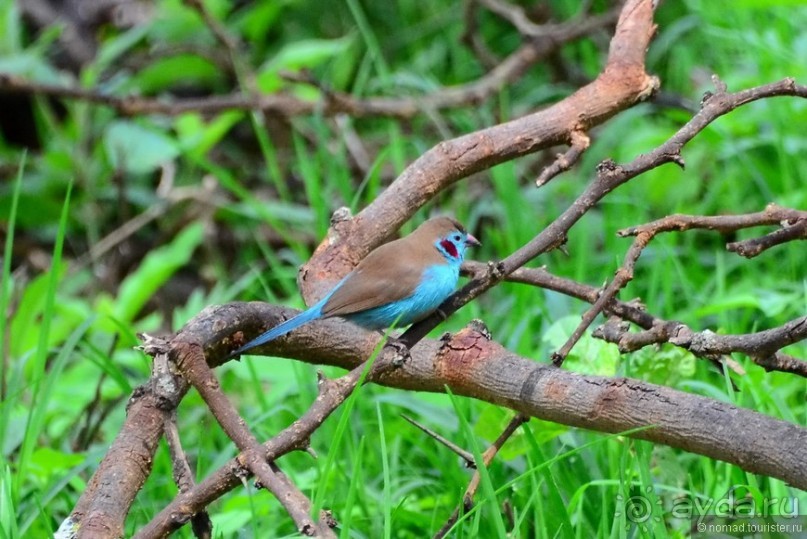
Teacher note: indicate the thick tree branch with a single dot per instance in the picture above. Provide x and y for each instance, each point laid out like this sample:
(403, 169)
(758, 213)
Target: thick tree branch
(471, 366)
(622, 84)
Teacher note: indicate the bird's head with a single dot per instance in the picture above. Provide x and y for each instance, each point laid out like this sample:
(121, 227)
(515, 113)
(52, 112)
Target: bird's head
(449, 237)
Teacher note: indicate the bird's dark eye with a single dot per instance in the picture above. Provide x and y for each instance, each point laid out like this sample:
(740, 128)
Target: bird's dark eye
(457, 237)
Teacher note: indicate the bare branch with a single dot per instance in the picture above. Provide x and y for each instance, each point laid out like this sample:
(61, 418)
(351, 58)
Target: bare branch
(659, 331)
(609, 177)
(473, 485)
(622, 84)
(467, 456)
(333, 103)
(563, 162)
(190, 360)
(771, 215)
(332, 393)
(755, 246)
(183, 477)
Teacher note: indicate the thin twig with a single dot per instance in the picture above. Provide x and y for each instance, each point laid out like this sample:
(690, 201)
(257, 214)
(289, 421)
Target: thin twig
(754, 246)
(622, 277)
(563, 162)
(223, 36)
(516, 16)
(658, 331)
(183, 476)
(467, 456)
(473, 485)
(646, 233)
(472, 38)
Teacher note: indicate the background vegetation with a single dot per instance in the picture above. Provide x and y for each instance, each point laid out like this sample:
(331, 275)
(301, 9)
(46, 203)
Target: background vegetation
(232, 204)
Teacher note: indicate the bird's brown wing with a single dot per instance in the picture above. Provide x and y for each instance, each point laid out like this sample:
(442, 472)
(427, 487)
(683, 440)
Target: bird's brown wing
(388, 274)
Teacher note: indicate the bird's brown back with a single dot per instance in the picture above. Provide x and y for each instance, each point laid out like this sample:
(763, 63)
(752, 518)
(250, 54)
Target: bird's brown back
(392, 271)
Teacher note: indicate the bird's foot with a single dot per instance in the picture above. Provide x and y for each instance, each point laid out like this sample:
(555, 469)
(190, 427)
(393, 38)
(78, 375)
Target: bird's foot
(401, 352)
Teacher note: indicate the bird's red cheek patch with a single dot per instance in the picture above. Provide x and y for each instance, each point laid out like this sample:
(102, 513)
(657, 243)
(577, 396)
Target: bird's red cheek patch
(450, 248)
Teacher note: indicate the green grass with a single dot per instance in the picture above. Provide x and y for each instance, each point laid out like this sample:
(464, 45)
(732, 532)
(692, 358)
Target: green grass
(67, 340)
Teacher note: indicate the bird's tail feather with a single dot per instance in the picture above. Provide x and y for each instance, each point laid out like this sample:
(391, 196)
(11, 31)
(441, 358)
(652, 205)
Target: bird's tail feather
(281, 329)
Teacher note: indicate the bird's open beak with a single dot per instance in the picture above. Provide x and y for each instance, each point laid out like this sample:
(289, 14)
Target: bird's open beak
(470, 240)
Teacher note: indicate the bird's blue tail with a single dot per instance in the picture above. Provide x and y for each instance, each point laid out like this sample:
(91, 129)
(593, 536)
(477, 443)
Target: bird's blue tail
(281, 329)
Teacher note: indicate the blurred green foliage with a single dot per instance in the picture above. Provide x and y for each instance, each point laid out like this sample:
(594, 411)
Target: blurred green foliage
(197, 209)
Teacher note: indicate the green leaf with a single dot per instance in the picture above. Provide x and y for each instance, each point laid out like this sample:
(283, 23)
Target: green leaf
(137, 149)
(731, 302)
(174, 23)
(589, 355)
(30, 66)
(155, 270)
(231, 521)
(665, 366)
(8, 510)
(11, 28)
(47, 462)
(112, 49)
(256, 21)
(304, 54)
(162, 74)
(25, 327)
(38, 365)
(197, 137)
(756, 4)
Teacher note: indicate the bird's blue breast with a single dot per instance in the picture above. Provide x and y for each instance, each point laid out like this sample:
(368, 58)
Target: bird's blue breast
(437, 283)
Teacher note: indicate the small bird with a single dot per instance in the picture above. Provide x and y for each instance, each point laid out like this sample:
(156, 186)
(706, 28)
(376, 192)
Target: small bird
(400, 282)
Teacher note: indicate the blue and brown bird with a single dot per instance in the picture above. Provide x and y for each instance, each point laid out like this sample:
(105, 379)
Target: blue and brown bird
(399, 283)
